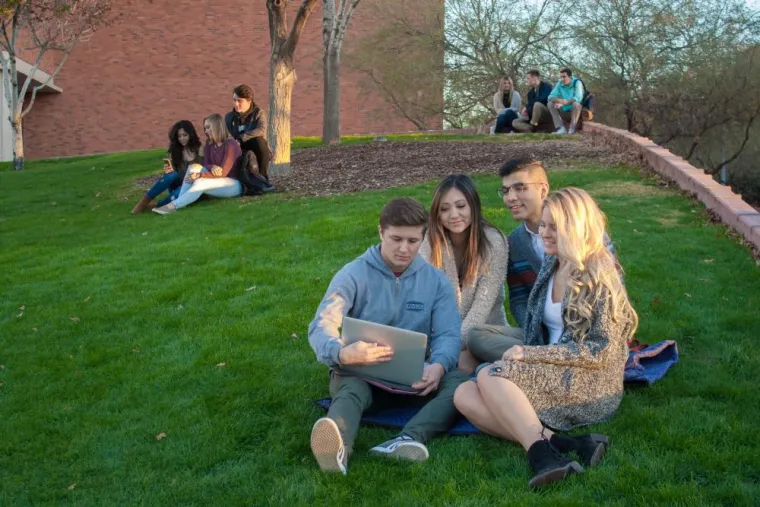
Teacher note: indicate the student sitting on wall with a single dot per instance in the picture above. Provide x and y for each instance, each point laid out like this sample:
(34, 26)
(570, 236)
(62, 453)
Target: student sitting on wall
(506, 103)
(566, 102)
(185, 148)
(217, 176)
(536, 115)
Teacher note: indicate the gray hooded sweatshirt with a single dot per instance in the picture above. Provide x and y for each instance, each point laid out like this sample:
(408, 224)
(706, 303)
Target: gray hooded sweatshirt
(421, 300)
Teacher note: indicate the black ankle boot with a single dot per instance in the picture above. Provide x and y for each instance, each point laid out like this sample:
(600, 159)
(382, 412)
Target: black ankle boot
(549, 465)
(590, 448)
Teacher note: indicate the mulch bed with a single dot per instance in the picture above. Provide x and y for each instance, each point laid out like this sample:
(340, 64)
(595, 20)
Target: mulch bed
(330, 170)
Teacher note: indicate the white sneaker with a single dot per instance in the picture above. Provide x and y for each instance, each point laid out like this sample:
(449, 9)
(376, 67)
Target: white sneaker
(402, 447)
(327, 446)
(166, 209)
(560, 131)
(571, 130)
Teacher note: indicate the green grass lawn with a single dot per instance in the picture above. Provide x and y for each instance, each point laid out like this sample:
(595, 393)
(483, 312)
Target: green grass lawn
(193, 325)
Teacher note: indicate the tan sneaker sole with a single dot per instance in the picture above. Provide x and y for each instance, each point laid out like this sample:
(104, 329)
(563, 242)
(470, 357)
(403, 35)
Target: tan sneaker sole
(327, 446)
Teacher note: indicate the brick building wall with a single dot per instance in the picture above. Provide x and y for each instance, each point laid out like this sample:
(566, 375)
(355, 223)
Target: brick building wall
(180, 59)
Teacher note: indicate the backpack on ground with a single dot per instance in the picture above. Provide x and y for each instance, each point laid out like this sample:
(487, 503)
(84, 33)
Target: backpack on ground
(252, 181)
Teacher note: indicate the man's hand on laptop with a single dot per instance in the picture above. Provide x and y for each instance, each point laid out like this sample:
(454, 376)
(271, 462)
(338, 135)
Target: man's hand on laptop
(364, 353)
(430, 379)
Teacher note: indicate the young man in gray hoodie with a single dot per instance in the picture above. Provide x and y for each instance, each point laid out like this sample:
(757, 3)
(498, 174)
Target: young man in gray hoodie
(389, 284)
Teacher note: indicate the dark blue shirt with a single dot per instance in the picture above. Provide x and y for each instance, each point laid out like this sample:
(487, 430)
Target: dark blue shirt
(544, 89)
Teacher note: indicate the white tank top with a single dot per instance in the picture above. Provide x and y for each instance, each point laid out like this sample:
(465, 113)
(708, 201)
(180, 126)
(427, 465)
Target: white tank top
(552, 317)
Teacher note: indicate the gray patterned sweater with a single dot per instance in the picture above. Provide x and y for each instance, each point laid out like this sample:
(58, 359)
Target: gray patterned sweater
(576, 381)
(482, 303)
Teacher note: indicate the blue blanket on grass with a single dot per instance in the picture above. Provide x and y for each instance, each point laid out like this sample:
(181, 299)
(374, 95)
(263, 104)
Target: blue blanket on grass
(645, 366)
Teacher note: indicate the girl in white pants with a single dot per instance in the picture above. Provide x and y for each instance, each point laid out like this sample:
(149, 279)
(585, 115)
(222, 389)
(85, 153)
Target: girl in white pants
(191, 190)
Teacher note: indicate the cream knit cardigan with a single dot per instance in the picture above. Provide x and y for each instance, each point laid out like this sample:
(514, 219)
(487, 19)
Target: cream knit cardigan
(482, 303)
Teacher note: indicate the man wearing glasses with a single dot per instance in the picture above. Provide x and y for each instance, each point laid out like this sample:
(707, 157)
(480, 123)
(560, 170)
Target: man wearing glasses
(524, 187)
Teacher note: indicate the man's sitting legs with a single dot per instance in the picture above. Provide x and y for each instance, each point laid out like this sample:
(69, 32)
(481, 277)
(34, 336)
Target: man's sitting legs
(560, 117)
(260, 147)
(488, 343)
(436, 416)
(332, 437)
(540, 120)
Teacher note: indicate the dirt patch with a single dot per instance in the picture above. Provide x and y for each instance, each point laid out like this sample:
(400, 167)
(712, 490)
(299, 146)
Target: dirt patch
(343, 169)
(329, 170)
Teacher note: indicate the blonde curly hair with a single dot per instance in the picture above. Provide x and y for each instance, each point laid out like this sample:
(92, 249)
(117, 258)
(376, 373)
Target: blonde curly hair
(588, 265)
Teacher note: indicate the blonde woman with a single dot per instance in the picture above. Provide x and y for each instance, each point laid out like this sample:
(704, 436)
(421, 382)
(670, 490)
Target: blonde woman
(217, 176)
(569, 373)
(472, 253)
(507, 104)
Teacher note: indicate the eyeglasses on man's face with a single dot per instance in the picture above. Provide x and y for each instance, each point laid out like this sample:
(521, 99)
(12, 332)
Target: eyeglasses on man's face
(518, 188)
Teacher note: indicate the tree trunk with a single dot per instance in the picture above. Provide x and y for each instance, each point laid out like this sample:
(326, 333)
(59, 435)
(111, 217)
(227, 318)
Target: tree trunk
(18, 145)
(331, 114)
(282, 77)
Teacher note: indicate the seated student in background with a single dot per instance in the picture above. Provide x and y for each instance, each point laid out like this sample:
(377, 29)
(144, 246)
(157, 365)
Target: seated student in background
(565, 102)
(217, 176)
(247, 124)
(389, 284)
(185, 148)
(524, 186)
(569, 373)
(506, 103)
(472, 253)
(535, 116)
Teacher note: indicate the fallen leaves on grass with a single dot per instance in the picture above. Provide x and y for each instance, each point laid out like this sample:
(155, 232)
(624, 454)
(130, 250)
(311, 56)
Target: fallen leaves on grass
(687, 294)
(86, 299)
(252, 287)
(708, 261)
(220, 365)
(135, 350)
(72, 486)
(294, 335)
(74, 319)
(161, 436)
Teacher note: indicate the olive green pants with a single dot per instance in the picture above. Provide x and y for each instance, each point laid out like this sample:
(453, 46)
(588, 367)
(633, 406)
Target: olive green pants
(352, 396)
(488, 343)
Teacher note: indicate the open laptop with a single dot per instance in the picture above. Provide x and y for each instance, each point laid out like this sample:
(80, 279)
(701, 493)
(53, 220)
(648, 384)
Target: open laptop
(409, 348)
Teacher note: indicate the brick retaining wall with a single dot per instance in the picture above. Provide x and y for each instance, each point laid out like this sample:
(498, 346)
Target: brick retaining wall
(729, 206)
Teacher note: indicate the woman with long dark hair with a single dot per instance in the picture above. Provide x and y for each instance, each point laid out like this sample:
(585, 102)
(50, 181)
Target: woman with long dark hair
(472, 253)
(569, 372)
(185, 148)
